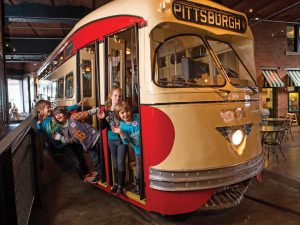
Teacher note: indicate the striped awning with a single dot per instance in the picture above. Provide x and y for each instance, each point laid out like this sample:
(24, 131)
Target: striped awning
(295, 76)
(272, 78)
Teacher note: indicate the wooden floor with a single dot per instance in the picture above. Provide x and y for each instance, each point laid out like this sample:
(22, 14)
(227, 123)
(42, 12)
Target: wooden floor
(68, 201)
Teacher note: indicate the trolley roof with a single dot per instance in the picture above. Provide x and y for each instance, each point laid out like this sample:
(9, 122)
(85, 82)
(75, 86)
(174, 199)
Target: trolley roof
(153, 13)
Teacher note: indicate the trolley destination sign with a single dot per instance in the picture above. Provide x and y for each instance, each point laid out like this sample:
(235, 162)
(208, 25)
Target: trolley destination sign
(205, 15)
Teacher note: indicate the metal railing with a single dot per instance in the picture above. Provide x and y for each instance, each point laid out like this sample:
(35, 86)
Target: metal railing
(20, 166)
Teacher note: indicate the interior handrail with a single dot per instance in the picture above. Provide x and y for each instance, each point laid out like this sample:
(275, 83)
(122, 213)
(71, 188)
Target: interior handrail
(12, 138)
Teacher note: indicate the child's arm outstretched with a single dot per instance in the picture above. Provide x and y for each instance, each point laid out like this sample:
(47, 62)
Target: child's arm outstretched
(84, 115)
(83, 102)
(102, 121)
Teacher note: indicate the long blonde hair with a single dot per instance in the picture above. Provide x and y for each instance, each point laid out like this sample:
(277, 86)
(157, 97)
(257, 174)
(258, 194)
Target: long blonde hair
(108, 102)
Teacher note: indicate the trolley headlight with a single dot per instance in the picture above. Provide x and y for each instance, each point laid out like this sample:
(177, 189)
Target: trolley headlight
(237, 137)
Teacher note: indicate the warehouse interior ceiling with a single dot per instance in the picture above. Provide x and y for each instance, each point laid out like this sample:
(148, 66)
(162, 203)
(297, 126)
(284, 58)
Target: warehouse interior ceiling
(33, 28)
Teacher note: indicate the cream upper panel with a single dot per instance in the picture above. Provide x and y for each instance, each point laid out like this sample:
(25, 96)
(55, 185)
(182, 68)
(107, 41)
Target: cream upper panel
(66, 68)
(208, 147)
(151, 11)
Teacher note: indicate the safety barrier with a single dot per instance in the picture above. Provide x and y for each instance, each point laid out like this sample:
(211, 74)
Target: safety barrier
(20, 166)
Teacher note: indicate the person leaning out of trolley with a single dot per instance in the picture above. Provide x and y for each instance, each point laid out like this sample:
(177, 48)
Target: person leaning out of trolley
(129, 131)
(48, 126)
(75, 130)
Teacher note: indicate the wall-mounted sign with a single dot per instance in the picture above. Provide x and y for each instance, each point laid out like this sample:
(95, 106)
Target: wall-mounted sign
(205, 15)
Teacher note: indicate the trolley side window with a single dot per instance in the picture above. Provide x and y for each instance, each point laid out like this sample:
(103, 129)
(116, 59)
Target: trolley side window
(49, 90)
(69, 85)
(54, 90)
(60, 89)
(69, 49)
(183, 61)
(87, 78)
(60, 58)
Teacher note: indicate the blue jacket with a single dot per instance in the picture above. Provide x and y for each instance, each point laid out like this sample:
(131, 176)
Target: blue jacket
(132, 133)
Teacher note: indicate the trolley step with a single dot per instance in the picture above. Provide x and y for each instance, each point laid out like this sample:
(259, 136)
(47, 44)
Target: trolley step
(227, 197)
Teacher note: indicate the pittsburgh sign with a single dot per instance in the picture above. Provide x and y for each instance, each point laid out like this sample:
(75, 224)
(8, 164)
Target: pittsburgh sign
(205, 15)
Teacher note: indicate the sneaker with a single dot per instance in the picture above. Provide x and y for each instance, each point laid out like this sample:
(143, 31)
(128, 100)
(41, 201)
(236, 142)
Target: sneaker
(86, 178)
(120, 190)
(96, 179)
(114, 189)
(137, 189)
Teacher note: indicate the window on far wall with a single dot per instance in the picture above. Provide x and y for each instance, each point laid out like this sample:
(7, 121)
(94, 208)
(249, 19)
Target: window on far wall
(293, 38)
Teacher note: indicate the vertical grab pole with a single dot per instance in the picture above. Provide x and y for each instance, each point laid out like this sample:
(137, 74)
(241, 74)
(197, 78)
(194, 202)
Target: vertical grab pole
(142, 183)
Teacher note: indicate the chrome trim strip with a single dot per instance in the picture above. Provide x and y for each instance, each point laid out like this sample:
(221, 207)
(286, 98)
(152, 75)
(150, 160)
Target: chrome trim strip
(204, 179)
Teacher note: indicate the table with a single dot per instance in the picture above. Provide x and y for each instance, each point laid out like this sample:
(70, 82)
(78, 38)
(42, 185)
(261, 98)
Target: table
(266, 129)
(275, 121)
(269, 132)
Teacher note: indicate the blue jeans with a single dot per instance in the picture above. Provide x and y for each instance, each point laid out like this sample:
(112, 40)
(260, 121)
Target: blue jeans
(118, 152)
(96, 158)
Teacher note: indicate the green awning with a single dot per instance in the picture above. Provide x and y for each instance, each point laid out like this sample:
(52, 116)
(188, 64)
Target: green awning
(295, 76)
(272, 78)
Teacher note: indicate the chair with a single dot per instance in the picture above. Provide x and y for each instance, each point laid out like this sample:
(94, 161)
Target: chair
(272, 141)
(288, 127)
(293, 118)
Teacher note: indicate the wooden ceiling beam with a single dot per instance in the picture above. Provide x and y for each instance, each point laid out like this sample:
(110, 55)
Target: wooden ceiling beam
(33, 30)
(11, 2)
(230, 3)
(295, 19)
(52, 3)
(282, 10)
(236, 3)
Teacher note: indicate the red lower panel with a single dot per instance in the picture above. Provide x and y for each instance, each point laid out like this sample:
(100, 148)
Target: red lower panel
(158, 135)
(171, 203)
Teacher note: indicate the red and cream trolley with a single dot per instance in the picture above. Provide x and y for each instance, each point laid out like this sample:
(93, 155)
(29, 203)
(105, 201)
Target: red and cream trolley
(187, 68)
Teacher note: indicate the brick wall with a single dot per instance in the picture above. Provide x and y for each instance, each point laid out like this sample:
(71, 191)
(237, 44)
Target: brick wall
(270, 51)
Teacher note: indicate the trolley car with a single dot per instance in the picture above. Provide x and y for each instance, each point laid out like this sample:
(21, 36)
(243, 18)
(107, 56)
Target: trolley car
(187, 68)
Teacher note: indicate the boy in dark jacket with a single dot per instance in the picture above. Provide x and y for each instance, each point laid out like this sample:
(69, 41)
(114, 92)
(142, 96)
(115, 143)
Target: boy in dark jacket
(75, 130)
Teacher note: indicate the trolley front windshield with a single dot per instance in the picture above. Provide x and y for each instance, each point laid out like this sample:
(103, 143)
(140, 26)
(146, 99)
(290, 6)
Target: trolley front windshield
(190, 61)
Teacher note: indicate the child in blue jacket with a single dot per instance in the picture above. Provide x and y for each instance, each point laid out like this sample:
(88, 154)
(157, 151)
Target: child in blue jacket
(129, 131)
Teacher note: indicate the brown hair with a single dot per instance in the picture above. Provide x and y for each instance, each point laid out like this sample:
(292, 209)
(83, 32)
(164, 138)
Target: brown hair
(40, 105)
(108, 102)
(121, 106)
(61, 109)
